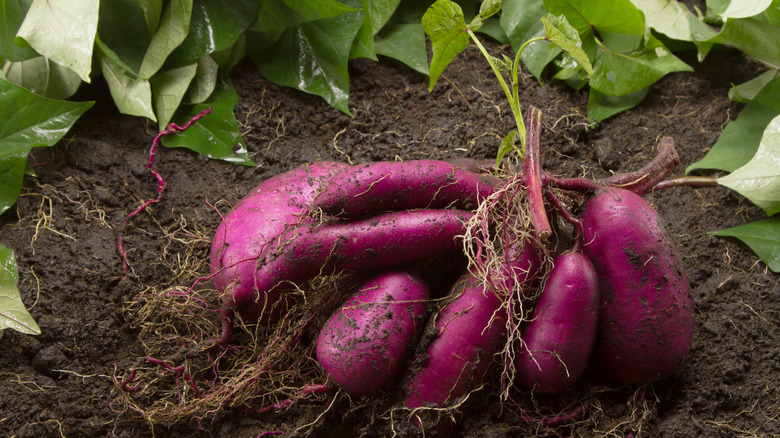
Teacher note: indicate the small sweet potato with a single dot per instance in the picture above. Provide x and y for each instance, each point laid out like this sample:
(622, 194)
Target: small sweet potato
(365, 343)
(560, 336)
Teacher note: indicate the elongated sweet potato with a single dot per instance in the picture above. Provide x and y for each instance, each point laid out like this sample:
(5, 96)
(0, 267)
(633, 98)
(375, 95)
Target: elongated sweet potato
(273, 207)
(365, 343)
(469, 330)
(646, 322)
(560, 336)
(403, 185)
(373, 243)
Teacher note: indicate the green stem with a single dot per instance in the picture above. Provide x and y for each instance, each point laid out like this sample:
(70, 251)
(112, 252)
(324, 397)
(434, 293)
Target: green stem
(513, 103)
(515, 86)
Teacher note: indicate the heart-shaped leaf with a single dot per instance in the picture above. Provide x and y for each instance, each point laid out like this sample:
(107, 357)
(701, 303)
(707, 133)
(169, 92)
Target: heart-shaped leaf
(445, 25)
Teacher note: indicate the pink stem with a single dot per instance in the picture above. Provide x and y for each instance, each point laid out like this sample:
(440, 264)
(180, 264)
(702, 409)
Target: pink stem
(533, 174)
(643, 180)
(171, 129)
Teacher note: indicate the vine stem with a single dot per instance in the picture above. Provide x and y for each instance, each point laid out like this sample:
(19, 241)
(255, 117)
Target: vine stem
(172, 128)
(533, 175)
(694, 182)
(510, 92)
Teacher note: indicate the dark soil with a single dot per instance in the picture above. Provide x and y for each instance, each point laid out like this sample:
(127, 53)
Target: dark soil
(65, 225)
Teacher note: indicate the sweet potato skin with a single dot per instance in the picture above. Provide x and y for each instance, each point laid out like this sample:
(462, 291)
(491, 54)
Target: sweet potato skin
(467, 332)
(273, 207)
(470, 329)
(365, 343)
(559, 338)
(374, 243)
(647, 323)
(403, 185)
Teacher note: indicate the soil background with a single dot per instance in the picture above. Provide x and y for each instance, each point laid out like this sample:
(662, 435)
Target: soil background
(65, 225)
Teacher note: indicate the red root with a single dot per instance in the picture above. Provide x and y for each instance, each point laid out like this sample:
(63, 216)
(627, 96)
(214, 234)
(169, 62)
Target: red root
(171, 129)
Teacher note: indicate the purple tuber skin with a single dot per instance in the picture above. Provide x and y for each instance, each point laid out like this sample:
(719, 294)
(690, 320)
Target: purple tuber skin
(373, 243)
(646, 322)
(470, 329)
(261, 216)
(559, 338)
(364, 344)
(402, 185)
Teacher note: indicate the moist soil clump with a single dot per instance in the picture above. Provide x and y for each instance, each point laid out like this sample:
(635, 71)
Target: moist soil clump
(64, 228)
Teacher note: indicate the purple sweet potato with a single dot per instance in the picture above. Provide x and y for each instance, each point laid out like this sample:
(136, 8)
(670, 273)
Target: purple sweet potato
(266, 212)
(403, 185)
(373, 243)
(646, 322)
(560, 336)
(365, 343)
(468, 331)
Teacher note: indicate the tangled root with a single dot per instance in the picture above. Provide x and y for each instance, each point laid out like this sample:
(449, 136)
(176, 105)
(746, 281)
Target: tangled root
(499, 230)
(184, 376)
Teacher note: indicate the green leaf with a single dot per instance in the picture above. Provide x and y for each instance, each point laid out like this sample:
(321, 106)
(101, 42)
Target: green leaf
(312, 10)
(620, 25)
(559, 32)
(380, 12)
(313, 57)
(28, 120)
(216, 135)
(740, 138)
(486, 10)
(763, 237)
(602, 106)
(168, 88)
(617, 74)
(363, 44)
(445, 25)
(42, 76)
(754, 37)
(118, 19)
(404, 42)
(152, 10)
(745, 8)
(213, 27)
(132, 96)
(747, 91)
(673, 19)
(10, 21)
(63, 31)
(521, 20)
(173, 29)
(205, 80)
(759, 179)
(13, 315)
(507, 145)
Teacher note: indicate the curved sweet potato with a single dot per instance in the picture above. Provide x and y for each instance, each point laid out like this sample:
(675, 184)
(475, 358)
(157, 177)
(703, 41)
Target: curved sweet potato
(364, 344)
(646, 322)
(402, 185)
(374, 243)
(560, 336)
(261, 216)
(468, 331)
